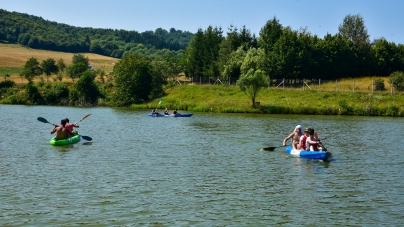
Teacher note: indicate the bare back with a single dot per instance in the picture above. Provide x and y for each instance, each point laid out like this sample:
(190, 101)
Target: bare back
(61, 133)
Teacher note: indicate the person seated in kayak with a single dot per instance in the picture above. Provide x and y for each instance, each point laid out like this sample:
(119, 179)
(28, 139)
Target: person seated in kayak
(312, 144)
(70, 126)
(303, 138)
(295, 135)
(166, 111)
(61, 131)
(175, 111)
(154, 111)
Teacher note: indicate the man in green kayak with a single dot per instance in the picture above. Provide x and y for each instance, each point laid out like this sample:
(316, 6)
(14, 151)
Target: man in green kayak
(61, 131)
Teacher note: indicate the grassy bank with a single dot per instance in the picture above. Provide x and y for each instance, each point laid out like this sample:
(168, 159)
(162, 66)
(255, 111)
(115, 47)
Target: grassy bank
(229, 99)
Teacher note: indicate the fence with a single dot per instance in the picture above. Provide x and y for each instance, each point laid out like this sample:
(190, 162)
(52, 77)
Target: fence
(359, 85)
(366, 85)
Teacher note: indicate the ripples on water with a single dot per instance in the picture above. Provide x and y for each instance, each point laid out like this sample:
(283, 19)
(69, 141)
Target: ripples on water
(207, 170)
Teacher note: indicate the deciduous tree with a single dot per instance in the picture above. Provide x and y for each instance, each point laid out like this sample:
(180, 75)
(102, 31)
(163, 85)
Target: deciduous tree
(32, 69)
(49, 67)
(87, 88)
(133, 80)
(253, 78)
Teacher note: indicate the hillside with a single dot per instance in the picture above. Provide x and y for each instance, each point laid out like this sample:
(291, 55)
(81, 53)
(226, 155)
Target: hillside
(38, 33)
(14, 56)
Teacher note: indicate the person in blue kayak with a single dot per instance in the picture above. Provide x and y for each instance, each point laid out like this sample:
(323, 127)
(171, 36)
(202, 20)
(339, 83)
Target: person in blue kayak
(303, 139)
(154, 111)
(295, 135)
(166, 111)
(175, 111)
(312, 143)
(61, 131)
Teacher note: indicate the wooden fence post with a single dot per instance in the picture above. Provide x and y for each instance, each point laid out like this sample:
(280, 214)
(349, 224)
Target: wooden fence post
(319, 84)
(373, 84)
(353, 89)
(336, 85)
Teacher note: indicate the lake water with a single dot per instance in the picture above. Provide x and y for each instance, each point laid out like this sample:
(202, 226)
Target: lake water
(206, 170)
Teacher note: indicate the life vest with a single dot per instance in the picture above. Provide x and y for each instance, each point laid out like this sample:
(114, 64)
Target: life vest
(69, 127)
(304, 142)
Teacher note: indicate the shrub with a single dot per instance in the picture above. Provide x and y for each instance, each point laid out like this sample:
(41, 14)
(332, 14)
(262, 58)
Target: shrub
(56, 93)
(34, 97)
(379, 85)
(7, 84)
(396, 80)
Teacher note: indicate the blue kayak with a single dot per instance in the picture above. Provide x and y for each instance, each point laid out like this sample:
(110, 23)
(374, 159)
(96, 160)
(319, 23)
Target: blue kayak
(171, 115)
(321, 155)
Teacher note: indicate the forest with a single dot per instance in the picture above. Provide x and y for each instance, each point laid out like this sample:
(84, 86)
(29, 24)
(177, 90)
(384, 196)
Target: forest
(38, 33)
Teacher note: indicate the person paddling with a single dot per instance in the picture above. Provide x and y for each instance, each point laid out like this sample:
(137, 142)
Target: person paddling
(166, 111)
(61, 131)
(295, 135)
(312, 143)
(154, 111)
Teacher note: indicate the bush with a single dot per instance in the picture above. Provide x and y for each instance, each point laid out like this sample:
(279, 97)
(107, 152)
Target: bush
(7, 84)
(396, 80)
(34, 97)
(56, 93)
(379, 85)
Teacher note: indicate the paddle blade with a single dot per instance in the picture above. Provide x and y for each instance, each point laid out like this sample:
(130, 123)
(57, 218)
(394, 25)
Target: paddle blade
(87, 138)
(269, 148)
(43, 120)
(85, 117)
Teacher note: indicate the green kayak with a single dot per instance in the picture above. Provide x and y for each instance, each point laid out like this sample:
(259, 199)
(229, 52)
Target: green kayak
(71, 140)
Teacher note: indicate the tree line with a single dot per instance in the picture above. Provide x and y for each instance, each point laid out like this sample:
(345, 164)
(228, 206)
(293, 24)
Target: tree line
(296, 55)
(37, 33)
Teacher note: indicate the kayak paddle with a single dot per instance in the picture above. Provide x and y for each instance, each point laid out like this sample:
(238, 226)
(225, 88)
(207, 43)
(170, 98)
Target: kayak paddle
(84, 118)
(86, 138)
(270, 148)
(43, 120)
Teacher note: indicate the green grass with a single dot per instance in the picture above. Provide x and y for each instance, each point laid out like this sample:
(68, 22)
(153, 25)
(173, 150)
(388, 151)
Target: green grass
(10, 71)
(230, 99)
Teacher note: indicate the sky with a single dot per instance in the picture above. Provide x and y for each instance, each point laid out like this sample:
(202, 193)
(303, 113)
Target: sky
(382, 18)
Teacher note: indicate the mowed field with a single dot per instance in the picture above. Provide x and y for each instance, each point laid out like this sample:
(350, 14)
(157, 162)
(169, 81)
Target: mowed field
(14, 56)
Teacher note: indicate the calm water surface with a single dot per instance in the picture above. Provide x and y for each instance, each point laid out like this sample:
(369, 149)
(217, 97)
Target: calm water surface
(207, 170)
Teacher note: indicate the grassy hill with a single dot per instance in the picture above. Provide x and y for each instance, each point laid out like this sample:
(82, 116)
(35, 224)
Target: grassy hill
(14, 56)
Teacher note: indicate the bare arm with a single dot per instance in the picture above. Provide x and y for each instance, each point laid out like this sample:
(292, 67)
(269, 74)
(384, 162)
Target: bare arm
(311, 142)
(290, 136)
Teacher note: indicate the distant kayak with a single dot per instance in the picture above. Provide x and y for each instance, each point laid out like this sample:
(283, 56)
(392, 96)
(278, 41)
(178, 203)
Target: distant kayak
(321, 155)
(171, 115)
(71, 140)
